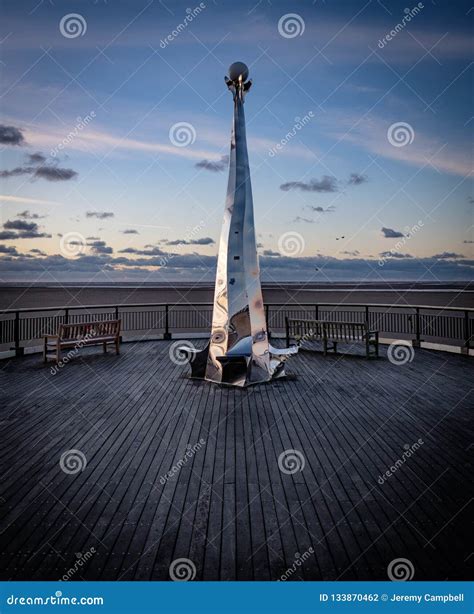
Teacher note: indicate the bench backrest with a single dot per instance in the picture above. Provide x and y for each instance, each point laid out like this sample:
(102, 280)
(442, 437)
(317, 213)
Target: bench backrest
(320, 329)
(350, 331)
(89, 330)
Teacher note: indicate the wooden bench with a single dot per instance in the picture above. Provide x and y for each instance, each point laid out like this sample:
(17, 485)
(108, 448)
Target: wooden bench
(335, 332)
(76, 336)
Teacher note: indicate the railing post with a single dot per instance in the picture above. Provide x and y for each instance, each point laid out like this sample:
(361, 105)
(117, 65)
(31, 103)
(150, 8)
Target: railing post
(316, 312)
(116, 311)
(467, 337)
(287, 328)
(416, 342)
(66, 316)
(167, 334)
(19, 351)
(269, 333)
(367, 316)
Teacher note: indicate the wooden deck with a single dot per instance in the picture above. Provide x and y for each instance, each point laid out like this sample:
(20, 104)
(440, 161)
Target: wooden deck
(228, 507)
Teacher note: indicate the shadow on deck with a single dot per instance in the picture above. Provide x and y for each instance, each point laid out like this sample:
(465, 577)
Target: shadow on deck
(166, 468)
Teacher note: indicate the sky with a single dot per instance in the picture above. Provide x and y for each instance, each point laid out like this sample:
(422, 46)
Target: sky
(115, 131)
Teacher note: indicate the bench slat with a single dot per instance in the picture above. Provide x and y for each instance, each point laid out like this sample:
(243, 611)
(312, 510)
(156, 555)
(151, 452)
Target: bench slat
(81, 334)
(332, 330)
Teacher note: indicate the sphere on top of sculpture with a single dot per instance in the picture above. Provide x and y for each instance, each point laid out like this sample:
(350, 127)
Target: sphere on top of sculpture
(238, 71)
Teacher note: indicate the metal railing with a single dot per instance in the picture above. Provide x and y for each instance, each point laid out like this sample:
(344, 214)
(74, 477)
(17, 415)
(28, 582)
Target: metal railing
(449, 325)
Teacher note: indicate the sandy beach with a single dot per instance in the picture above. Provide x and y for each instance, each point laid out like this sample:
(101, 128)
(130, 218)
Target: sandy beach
(400, 293)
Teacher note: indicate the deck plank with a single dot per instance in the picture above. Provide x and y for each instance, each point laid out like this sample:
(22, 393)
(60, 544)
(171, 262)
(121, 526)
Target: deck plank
(229, 508)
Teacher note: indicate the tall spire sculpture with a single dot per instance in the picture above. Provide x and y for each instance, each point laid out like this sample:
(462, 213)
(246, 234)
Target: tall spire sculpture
(239, 352)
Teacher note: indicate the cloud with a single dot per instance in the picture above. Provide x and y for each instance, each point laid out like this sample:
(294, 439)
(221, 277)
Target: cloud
(426, 151)
(38, 251)
(215, 166)
(203, 241)
(101, 141)
(4, 249)
(55, 173)
(448, 255)
(9, 135)
(319, 209)
(26, 215)
(357, 179)
(130, 231)
(100, 247)
(394, 254)
(271, 253)
(20, 225)
(389, 233)
(468, 241)
(353, 253)
(193, 266)
(36, 158)
(50, 173)
(21, 229)
(7, 235)
(26, 201)
(325, 184)
(16, 172)
(101, 215)
(306, 220)
(149, 251)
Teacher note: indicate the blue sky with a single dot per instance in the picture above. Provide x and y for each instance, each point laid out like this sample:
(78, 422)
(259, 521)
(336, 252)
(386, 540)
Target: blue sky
(407, 212)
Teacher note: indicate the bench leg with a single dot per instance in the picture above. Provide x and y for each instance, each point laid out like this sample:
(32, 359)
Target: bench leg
(334, 347)
(117, 346)
(325, 347)
(58, 353)
(105, 347)
(44, 350)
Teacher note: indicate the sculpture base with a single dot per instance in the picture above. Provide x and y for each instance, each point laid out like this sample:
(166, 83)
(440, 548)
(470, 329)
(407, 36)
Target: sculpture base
(237, 369)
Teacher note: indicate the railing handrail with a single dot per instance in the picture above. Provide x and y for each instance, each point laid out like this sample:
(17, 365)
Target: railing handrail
(195, 304)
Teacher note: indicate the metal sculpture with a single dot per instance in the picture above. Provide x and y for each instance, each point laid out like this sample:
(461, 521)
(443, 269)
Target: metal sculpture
(239, 352)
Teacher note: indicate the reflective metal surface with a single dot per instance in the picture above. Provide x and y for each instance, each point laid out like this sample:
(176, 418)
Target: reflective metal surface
(238, 352)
